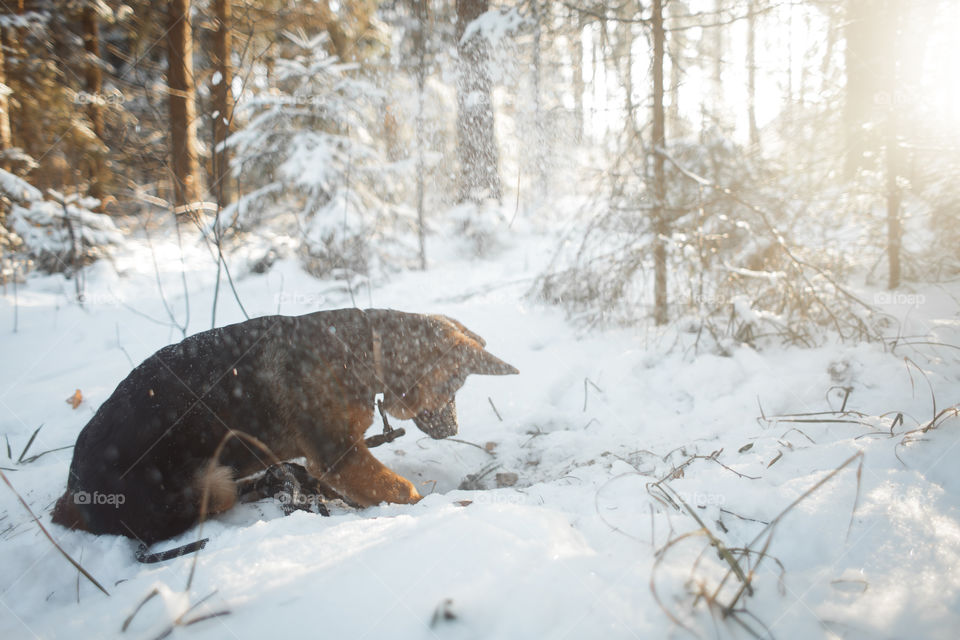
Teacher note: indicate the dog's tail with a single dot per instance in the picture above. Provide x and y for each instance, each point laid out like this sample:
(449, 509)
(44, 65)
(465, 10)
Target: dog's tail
(67, 514)
(218, 483)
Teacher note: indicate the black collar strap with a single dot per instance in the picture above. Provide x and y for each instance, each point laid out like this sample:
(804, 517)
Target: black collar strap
(378, 357)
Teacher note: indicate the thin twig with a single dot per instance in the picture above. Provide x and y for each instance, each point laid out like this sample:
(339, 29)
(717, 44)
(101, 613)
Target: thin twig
(494, 407)
(66, 555)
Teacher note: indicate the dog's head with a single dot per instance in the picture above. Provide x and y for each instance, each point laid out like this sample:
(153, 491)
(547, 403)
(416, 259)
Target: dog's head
(426, 359)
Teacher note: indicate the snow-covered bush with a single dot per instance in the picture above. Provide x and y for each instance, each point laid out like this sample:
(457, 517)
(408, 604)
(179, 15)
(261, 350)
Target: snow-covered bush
(742, 265)
(14, 265)
(307, 148)
(940, 193)
(62, 236)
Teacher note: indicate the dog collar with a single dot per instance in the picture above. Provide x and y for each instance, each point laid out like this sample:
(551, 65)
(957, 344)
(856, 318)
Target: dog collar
(378, 356)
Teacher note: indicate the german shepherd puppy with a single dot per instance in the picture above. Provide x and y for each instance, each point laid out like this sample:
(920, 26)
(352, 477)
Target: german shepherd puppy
(301, 385)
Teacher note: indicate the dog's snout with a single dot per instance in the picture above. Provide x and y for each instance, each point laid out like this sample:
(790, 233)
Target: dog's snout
(438, 424)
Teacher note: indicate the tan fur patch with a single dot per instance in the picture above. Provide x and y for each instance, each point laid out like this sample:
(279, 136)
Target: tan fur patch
(222, 490)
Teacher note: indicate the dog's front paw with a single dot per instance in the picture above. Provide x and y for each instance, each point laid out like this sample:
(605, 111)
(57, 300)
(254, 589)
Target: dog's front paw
(395, 490)
(406, 492)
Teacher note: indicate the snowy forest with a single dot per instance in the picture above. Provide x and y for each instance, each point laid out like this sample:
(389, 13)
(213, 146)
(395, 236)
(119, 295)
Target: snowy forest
(717, 239)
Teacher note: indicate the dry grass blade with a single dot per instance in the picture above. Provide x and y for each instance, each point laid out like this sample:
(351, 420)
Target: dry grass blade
(205, 498)
(784, 434)
(824, 417)
(658, 558)
(715, 457)
(66, 555)
(129, 619)
(715, 542)
(196, 604)
(734, 614)
(588, 381)
(896, 422)
(29, 442)
(933, 397)
(856, 499)
(769, 529)
(744, 518)
(36, 457)
(207, 616)
(472, 444)
(938, 419)
(915, 435)
(179, 621)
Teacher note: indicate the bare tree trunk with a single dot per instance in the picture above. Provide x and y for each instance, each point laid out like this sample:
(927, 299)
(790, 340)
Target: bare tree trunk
(894, 230)
(477, 145)
(6, 139)
(222, 103)
(539, 141)
(183, 128)
(94, 87)
(789, 93)
(625, 45)
(717, 54)
(341, 45)
(660, 228)
(578, 86)
(25, 131)
(421, 10)
(752, 73)
(675, 48)
(93, 77)
(596, 61)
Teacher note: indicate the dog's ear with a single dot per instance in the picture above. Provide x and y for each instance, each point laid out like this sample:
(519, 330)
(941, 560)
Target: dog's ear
(462, 329)
(478, 360)
(470, 352)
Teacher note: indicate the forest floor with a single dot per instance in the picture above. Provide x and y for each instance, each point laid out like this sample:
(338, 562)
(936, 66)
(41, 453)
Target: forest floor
(642, 472)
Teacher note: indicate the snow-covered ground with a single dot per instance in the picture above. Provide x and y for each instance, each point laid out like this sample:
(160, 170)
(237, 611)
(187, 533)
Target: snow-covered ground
(597, 538)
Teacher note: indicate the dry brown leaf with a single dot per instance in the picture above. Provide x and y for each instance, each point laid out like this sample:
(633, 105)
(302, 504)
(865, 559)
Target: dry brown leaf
(75, 400)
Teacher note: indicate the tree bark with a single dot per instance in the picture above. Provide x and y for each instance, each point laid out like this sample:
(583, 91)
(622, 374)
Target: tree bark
(624, 36)
(660, 227)
(675, 50)
(578, 84)
(183, 128)
(93, 80)
(717, 55)
(222, 103)
(6, 138)
(894, 230)
(477, 145)
(93, 76)
(540, 137)
(421, 11)
(341, 45)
